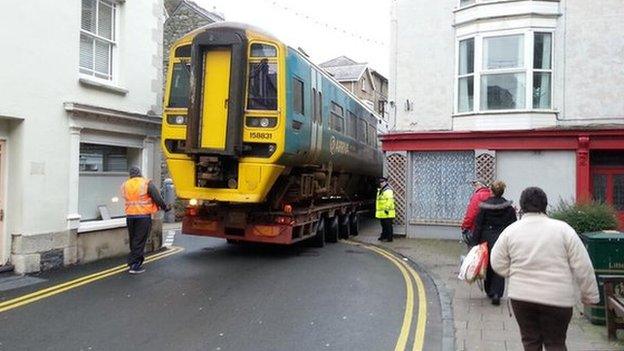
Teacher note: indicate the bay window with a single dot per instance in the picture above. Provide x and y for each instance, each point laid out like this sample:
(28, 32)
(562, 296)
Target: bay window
(513, 72)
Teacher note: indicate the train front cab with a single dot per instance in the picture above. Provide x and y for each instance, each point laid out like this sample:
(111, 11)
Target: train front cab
(222, 142)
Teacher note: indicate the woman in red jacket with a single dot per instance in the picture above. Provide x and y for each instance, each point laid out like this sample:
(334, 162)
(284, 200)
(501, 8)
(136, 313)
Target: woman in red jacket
(482, 193)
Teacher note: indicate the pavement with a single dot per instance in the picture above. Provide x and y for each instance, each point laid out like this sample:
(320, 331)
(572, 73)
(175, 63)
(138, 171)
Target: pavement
(478, 325)
(215, 296)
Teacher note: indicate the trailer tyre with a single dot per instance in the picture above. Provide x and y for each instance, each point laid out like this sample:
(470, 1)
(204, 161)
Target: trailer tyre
(354, 222)
(318, 240)
(345, 226)
(331, 233)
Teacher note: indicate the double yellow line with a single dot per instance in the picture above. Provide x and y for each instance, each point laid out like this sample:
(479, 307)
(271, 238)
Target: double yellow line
(411, 277)
(72, 284)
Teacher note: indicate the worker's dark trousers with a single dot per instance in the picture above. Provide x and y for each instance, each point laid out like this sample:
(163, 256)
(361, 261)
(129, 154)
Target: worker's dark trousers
(138, 229)
(542, 325)
(386, 228)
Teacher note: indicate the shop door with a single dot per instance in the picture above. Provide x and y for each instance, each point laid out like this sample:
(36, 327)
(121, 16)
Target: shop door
(608, 187)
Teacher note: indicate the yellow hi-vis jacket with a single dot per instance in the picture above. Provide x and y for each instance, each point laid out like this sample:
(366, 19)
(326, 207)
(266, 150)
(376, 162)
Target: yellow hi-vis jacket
(384, 206)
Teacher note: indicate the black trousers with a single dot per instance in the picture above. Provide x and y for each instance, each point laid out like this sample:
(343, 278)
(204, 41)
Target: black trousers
(386, 228)
(542, 325)
(494, 284)
(138, 230)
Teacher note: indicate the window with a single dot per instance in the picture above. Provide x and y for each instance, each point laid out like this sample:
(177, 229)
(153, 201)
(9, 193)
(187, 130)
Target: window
(263, 50)
(179, 90)
(463, 3)
(514, 72)
(364, 84)
(262, 86)
(362, 135)
(336, 120)
(298, 103)
(466, 75)
(542, 70)
(103, 169)
(351, 124)
(97, 38)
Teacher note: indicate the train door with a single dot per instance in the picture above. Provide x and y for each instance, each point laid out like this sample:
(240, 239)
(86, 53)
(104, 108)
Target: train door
(316, 139)
(608, 187)
(216, 92)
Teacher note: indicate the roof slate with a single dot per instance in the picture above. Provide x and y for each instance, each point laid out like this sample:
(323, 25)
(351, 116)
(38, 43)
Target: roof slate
(346, 73)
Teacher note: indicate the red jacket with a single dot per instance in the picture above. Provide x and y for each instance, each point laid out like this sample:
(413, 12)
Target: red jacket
(472, 211)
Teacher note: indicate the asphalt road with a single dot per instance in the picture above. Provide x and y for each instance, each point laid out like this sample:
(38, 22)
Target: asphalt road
(216, 296)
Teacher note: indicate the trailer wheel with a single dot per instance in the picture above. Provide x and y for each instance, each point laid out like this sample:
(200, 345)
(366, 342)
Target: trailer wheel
(331, 233)
(318, 240)
(345, 227)
(354, 222)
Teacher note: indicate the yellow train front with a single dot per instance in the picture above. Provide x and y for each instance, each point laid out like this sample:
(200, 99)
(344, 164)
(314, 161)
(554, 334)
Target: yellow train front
(252, 127)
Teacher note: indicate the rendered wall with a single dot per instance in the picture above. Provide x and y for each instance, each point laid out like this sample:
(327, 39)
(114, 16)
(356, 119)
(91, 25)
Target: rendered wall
(553, 171)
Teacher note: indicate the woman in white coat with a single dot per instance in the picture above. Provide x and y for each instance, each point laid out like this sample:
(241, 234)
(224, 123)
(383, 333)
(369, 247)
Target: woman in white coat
(544, 259)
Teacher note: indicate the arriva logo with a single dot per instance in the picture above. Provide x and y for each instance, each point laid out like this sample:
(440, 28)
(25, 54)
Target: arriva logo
(337, 146)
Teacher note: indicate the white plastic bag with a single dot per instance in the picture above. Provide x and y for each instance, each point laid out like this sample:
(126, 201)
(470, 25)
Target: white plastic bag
(475, 264)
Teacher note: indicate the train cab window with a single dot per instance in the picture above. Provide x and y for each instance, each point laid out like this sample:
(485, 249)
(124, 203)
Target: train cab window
(262, 88)
(263, 50)
(298, 103)
(351, 124)
(336, 120)
(183, 51)
(179, 90)
(362, 135)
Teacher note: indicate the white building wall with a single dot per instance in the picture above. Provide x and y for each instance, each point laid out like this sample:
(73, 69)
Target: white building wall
(422, 65)
(593, 62)
(553, 171)
(41, 73)
(588, 64)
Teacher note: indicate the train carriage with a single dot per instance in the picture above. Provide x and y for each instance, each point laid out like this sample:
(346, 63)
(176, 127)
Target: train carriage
(252, 126)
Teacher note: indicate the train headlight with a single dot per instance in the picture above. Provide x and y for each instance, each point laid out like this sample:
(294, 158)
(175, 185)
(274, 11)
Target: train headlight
(193, 202)
(261, 122)
(176, 120)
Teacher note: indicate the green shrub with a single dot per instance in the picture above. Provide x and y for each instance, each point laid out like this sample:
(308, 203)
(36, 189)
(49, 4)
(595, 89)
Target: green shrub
(587, 217)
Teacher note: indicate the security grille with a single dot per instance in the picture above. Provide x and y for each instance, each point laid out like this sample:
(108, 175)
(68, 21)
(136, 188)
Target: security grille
(440, 186)
(396, 167)
(485, 165)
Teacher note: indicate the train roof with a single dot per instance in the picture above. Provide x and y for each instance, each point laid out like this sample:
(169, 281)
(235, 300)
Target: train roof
(243, 26)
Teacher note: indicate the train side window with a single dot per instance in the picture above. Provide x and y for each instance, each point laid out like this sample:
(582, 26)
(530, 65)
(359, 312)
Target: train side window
(351, 124)
(298, 102)
(372, 135)
(262, 87)
(336, 120)
(319, 109)
(362, 131)
(263, 50)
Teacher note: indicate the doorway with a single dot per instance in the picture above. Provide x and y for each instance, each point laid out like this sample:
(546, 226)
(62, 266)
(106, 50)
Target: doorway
(4, 242)
(607, 180)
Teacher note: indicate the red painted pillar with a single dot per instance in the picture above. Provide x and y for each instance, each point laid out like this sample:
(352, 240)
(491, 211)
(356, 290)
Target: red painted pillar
(583, 193)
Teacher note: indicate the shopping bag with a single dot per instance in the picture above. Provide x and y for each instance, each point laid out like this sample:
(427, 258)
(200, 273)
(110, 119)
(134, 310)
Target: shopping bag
(475, 264)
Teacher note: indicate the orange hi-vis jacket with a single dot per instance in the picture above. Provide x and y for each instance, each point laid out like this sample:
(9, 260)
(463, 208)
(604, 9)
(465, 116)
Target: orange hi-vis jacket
(138, 201)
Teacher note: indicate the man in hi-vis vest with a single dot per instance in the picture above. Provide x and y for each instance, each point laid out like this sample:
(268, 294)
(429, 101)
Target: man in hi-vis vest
(142, 200)
(384, 209)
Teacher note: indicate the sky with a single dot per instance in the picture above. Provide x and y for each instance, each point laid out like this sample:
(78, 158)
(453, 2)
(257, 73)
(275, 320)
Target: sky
(324, 29)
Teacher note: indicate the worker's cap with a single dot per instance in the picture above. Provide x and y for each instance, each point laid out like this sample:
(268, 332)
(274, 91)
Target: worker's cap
(382, 179)
(134, 171)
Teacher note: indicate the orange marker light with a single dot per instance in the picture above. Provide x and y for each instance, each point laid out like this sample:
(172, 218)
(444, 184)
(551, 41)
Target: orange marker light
(288, 208)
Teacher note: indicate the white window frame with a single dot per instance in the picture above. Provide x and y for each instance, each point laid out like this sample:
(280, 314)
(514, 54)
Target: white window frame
(528, 70)
(112, 59)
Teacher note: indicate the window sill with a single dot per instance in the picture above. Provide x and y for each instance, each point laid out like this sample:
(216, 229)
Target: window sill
(505, 112)
(90, 82)
(94, 226)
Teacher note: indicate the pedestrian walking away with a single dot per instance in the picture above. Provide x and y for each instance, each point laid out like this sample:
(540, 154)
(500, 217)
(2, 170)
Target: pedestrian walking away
(546, 263)
(481, 193)
(142, 199)
(384, 209)
(495, 214)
